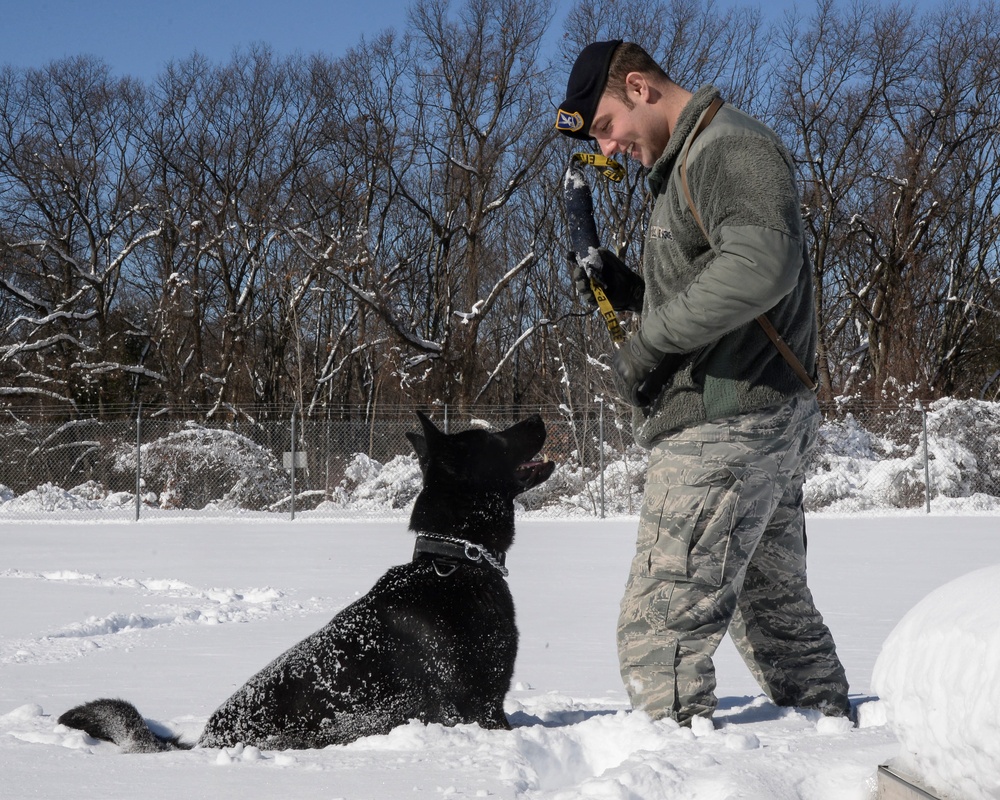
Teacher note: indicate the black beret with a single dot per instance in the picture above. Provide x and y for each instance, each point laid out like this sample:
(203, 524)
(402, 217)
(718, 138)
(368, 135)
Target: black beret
(584, 89)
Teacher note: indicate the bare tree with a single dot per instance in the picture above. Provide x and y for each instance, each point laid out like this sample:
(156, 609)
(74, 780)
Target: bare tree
(833, 115)
(448, 123)
(72, 203)
(959, 343)
(893, 119)
(386, 227)
(232, 149)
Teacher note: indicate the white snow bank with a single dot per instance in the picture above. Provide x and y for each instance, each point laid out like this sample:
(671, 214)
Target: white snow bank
(938, 676)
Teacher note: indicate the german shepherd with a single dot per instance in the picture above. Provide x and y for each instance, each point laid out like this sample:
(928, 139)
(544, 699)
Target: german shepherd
(434, 640)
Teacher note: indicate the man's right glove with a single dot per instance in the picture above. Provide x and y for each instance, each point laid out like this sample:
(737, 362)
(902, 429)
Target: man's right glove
(632, 365)
(624, 287)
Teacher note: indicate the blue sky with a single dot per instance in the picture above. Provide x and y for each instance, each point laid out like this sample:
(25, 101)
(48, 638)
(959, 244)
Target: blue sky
(139, 37)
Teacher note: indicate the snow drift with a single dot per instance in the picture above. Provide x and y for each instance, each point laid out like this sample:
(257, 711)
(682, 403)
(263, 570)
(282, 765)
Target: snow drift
(937, 676)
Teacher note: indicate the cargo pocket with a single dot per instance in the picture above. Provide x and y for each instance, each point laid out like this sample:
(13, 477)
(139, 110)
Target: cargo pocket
(692, 539)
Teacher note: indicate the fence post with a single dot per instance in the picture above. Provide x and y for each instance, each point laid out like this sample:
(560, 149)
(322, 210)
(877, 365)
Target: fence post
(600, 447)
(927, 461)
(138, 462)
(294, 408)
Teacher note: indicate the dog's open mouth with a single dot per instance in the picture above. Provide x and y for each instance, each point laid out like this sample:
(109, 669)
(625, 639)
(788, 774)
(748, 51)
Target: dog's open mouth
(532, 473)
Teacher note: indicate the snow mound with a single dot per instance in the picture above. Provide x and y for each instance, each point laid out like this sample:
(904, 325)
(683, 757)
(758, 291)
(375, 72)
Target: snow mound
(937, 676)
(369, 485)
(50, 498)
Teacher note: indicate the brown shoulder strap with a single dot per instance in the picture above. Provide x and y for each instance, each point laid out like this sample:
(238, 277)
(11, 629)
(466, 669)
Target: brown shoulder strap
(762, 320)
(706, 118)
(786, 352)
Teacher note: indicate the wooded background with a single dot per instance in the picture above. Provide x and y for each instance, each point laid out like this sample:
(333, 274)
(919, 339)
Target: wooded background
(385, 227)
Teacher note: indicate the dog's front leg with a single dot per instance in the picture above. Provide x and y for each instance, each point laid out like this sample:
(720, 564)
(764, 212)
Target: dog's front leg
(496, 719)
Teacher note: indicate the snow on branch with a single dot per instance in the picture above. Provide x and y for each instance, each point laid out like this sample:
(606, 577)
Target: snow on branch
(13, 391)
(105, 367)
(13, 350)
(482, 307)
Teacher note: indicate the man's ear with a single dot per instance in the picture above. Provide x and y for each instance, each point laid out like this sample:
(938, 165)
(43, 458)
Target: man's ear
(640, 89)
(636, 83)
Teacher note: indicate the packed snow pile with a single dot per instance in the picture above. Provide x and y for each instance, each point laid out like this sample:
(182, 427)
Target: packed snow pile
(369, 485)
(88, 496)
(858, 468)
(938, 676)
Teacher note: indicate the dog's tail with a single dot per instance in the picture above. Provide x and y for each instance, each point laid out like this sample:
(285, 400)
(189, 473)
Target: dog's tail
(119, 722)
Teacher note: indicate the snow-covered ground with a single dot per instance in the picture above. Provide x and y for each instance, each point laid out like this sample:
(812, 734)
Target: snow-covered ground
(174, 615)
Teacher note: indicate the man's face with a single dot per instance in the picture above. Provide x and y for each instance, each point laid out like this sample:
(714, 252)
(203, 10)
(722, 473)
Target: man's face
(632, 130)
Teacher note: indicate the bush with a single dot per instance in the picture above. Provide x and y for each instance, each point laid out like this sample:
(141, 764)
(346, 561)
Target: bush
(197, 466)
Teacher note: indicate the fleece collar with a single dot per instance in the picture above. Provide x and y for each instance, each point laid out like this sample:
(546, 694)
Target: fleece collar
(686, 122)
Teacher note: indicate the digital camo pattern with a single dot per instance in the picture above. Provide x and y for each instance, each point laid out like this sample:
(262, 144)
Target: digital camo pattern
(721, 545)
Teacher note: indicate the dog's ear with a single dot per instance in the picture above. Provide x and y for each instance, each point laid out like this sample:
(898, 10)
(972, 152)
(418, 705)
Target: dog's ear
(422, 445)
(420, 448)
(431, 432)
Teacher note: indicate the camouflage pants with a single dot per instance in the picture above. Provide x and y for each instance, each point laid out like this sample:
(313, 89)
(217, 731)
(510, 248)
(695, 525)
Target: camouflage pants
(721, 545)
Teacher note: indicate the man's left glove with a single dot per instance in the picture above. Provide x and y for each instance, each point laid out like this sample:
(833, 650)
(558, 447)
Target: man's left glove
(632, 365)
(623, 287)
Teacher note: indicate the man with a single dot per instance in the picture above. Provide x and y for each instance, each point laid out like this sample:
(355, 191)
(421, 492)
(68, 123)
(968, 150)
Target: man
(726, 418)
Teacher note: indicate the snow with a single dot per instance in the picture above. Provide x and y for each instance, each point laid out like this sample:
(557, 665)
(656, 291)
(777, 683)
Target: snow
(174, 613)
(876, 469)
(936, 676)
(855, 469)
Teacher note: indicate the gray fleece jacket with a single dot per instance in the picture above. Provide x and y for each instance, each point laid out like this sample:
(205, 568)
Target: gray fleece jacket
(702, 297)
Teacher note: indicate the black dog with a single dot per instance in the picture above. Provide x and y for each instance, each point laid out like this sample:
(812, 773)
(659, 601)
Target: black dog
(434, 640)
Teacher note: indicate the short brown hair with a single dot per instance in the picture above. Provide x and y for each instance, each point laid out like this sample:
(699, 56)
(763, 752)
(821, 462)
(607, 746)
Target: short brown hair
(629, 57)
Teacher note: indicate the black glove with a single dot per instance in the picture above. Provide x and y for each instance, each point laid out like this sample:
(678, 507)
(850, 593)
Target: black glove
(624, 288)
(632, 366)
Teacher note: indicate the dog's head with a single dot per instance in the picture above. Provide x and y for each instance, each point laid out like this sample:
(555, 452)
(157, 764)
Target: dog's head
(483, 460)
(471, 478)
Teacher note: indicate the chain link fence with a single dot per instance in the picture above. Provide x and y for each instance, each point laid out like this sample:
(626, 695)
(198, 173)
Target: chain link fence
(945, 457)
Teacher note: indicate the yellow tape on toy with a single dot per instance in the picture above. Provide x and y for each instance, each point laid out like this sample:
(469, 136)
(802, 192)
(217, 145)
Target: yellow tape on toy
(608, 312)
(609, 168)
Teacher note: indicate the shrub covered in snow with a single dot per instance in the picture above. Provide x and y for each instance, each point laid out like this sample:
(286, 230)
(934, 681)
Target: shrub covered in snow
(575, 489)
(844, 455)
(197, 466)
(963, 437)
